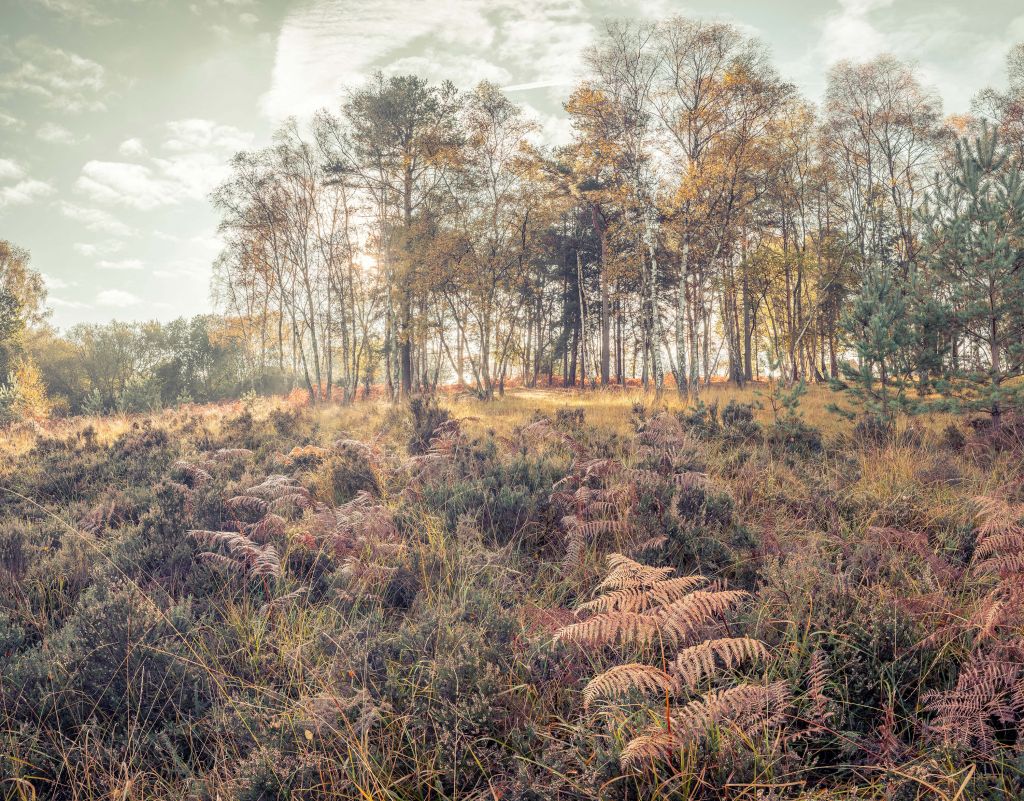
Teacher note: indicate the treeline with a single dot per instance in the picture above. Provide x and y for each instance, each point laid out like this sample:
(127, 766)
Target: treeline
(705, 220)
(140, 367)
(114, 367)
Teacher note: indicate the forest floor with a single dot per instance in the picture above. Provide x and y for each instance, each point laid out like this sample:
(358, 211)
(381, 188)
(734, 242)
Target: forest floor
(476, 601)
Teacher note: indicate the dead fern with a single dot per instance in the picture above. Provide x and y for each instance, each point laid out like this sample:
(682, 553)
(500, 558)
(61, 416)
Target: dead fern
(698, 662)
(622, 680)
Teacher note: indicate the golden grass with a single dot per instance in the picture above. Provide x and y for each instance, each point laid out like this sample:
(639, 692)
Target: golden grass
(609, 409)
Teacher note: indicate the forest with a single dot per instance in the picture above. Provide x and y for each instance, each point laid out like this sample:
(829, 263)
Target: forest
(682, 460)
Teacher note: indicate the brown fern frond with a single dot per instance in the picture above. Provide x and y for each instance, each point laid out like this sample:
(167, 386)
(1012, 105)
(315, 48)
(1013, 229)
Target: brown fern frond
(599, 468)
(197, 475)
(618, 494)
(643, 597)
(654, 746)
(1012, 540)
(609, 628)
(625, 572)
(745, 708)
(575, 545)
(997, 515)
(698, 662)
(983, 695)
(1004, 565)
(291, 502)
(247, 503)
(269, 526)
(644, 478)
(679, 620)
(817, 679)
(602, 508)
(594, 528)
(266, 563)
(624, 679)
(545, 430)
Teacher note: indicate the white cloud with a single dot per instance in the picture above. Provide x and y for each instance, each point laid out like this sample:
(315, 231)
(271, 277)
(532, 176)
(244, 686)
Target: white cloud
(133, 148)
(331, 45)
(850, 34)
(10, 170)
(80, 10)
(17, 188)
(951, 50)
(126, 184)
(23, 192)
(67, 304)
(123, 264)
(7, 121)
(198, 134)
(53, 282)
(248, 19)
(117, 298)
(326, 47)
(61, 79)
(55, 134)
(197, 152)
(107, 247)
(95, 219)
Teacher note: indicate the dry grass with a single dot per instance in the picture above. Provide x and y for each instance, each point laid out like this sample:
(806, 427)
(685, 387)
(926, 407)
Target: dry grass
(399, 648)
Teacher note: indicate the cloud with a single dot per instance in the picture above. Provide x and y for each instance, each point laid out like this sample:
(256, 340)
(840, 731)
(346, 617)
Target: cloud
(55, 134)
(850, 34)
(60, 79)
(95, 219)
(88, 12)
(53, 282)
(953, 49)
(328, 46)
(17, 188)
(7, 121)
(126, 184)
(117, 298)
(133, 148)
(123, 264)
(10, 170)
(79, 10)
(105, 248)
(194, 161)
(198, 134)
(67, 304)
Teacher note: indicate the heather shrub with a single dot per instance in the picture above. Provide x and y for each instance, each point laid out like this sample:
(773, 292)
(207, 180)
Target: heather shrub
(427, 416)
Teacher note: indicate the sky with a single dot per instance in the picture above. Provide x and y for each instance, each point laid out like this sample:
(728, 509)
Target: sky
(118, 117)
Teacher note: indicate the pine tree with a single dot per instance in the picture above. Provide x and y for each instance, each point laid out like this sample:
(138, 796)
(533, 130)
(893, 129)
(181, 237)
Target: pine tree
(879, 328)
(975, 246)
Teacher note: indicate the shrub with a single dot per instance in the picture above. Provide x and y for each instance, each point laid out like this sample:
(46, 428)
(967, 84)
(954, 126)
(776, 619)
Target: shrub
(427, 416)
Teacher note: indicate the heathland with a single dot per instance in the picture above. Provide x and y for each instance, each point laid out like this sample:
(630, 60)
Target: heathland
(554, 595)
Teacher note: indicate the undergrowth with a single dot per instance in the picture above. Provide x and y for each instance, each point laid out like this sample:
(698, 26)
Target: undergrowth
(483, 601)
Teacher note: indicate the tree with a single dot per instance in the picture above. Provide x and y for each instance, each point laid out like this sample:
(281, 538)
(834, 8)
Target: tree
(878, 328)
(400, 139)
(975, 245)
(22, 307)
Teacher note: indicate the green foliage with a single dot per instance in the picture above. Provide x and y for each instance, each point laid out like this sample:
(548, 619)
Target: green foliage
(789, 432)
(878, 326)
(975, 246)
